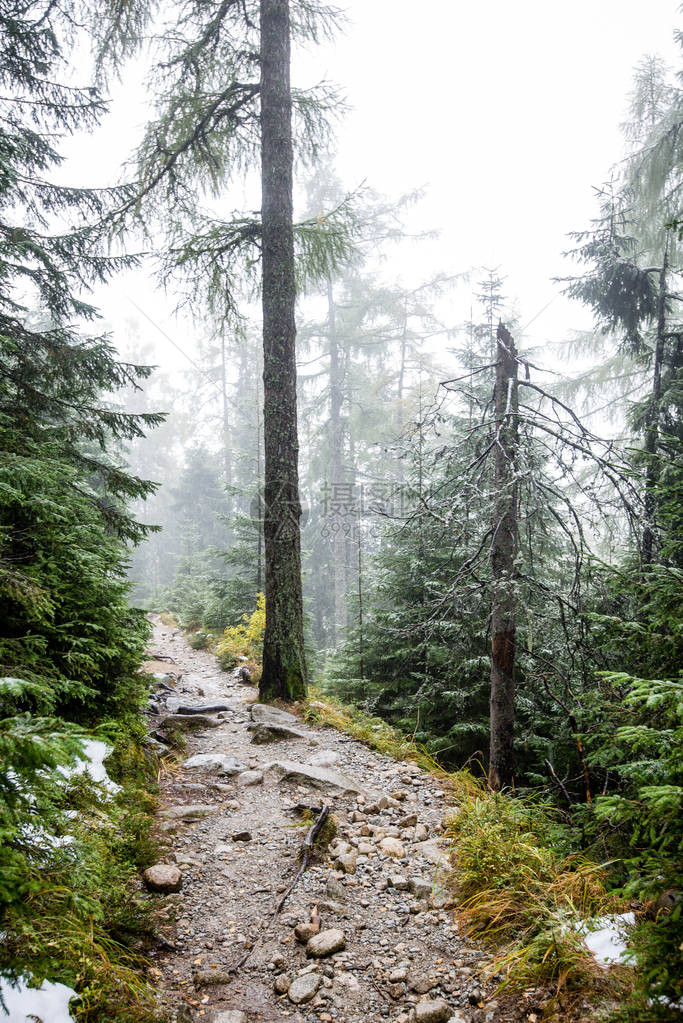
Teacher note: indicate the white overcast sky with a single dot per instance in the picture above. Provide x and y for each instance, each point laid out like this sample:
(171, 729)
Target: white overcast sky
(506, 111)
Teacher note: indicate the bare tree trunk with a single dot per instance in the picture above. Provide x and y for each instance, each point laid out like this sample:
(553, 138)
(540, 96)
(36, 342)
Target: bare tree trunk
(227, 452)
(337, 467)
(652, 424)
(503, 551)
(226, 440)
(259, 493)
(361, 650)
(284, 663)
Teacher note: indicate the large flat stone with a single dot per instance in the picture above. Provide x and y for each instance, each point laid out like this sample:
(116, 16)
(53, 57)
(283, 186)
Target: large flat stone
(318, 777)
(188, 722)
(216, 763)
(190, 810)
(272, 731)
(263, 712)
(435, 1010)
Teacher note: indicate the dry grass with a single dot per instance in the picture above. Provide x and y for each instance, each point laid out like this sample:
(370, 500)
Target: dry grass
(326, 712)
(525, 900)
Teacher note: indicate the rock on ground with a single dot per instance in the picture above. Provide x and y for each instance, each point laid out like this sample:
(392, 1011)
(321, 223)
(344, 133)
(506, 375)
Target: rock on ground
(263, 712)
(317, 777)
(302, 989)
(163, 877)
(272, 731)
(432, 1011)
(215, 762)
(326, 943)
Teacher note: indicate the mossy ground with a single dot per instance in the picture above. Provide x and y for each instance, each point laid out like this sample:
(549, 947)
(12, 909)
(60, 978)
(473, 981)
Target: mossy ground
(86, 917)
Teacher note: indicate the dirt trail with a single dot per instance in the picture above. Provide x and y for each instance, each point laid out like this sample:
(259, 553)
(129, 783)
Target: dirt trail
(236, 842)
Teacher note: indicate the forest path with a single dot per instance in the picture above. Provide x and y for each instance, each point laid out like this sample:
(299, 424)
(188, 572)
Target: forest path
(237, 845)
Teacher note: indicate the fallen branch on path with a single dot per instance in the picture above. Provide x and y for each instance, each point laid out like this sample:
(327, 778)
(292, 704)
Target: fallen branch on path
(305, 851)
(202, 708)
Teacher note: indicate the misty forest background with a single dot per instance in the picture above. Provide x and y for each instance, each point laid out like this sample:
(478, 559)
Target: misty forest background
(463, 492)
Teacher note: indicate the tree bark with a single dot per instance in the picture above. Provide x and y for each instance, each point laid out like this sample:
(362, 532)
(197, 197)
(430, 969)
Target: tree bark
(339, 516)
(284, 663)
(652, 424)
(503, 552)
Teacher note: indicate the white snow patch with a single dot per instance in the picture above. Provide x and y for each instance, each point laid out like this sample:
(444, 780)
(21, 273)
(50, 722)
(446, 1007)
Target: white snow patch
(96, 753)
(49, 1002)
(606, 938)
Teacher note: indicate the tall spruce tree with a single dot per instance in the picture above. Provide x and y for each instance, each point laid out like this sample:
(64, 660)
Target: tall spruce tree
(223, 108)
(284, 662)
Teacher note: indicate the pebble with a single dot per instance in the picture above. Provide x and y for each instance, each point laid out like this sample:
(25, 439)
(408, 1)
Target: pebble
(303, 989)
(326, 943)
(392, 847)
(432, 1011)
(247, 778)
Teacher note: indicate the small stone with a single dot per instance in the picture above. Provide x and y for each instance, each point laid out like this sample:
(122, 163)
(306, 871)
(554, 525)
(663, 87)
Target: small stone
(398, 975)
(432, 1011)
(163, 877)
(392, 847)
(421, 833)
(421, 984)
(326, 943)
(443, 899)
(242, 836)
(271, 731)
(457, 1017)
(303, 989)
(263, 712)
(420, 888)
(347, 862)
(409, 821)
(189, 722)
(189, 811)
(335, 889)
(250, 778)
(209, 978)
(281, 984)
(400, 883)
(304, 932)
(230, 1016)
(325, 758)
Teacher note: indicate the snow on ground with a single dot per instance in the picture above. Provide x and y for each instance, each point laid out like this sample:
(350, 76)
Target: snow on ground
(96, 753)
(49, 1002)
(606, 940)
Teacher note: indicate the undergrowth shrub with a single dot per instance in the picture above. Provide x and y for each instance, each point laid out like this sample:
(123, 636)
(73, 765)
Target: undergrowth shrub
(243, 643)
(519, 888)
